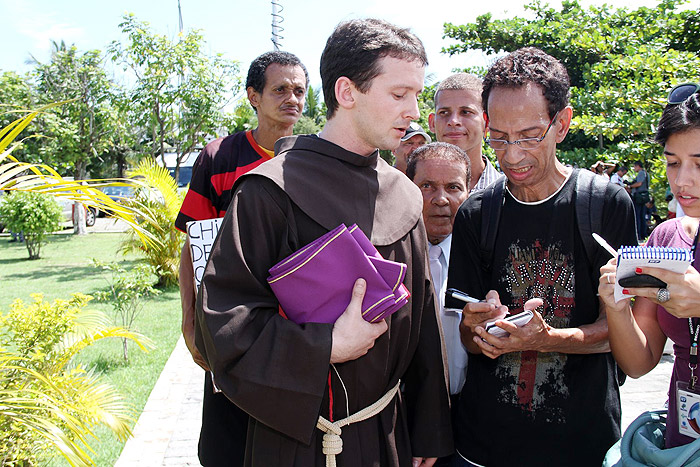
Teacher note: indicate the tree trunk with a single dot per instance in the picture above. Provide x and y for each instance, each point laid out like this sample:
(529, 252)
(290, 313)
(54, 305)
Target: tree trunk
(79, 226)
(121, 163)
(125, 349)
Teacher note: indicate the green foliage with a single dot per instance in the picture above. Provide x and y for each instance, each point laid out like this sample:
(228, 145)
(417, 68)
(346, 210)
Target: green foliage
(243, 118)
(162, 201)
(79, 129)
(621, 62)
(35, 214)
(306, 126)
(313, 117)
(47, 403)
(127, 289)
(180, 91)
(16, 95)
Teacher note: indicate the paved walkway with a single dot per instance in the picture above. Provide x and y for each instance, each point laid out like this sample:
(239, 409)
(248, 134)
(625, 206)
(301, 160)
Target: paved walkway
(168, 429)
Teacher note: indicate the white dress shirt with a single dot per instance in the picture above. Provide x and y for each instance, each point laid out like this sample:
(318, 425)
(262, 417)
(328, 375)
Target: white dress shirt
(617, 180)
(456, 353)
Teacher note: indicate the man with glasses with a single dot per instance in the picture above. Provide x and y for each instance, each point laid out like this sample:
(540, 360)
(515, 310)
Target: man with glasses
(547, 390)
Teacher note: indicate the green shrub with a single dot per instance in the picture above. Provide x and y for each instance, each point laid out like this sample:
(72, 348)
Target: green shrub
(47, 403)
(162, 201)
(126, 292)
(35, 214)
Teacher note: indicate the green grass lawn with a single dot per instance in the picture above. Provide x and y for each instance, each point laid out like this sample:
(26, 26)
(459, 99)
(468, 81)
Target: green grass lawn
(64, 268)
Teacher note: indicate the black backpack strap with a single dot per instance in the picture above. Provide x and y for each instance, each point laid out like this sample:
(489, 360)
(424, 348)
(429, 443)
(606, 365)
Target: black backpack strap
(491, 205)
(590, 190)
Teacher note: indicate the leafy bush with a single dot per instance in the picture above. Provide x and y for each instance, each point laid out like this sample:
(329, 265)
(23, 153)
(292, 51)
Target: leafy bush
(162, 202)
(126, 289)
(35, 214)
(48, 403)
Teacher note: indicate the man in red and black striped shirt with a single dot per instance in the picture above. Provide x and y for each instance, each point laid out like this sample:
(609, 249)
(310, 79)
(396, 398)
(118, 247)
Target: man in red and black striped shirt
(276, 87)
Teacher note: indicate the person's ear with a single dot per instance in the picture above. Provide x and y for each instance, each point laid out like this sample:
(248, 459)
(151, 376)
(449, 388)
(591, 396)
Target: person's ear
(253, 97)
(345, 92)
(431, 121)
(563, 123)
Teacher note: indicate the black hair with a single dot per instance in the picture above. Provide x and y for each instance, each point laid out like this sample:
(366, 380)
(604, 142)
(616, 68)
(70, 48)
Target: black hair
(444, 151)
(354, 49)
(678, 118)
(530, 65)
(256, 72)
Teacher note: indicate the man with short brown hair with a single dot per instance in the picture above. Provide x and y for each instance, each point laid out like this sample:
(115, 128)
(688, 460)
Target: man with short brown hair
(301, 383)
(459, 119)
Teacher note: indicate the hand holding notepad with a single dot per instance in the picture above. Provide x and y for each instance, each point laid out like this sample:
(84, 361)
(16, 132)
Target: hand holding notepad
(630, 258)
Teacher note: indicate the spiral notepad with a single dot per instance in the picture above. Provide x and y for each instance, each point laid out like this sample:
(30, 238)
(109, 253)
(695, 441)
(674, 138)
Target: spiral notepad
(633, 257)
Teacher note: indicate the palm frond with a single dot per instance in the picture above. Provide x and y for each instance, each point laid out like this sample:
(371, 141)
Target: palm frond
(159, 178)
(16, 175)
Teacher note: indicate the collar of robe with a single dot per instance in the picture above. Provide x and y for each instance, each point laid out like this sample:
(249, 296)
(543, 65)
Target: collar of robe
(334, 186)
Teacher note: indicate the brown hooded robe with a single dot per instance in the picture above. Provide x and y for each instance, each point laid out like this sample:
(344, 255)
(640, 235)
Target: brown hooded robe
(278, 371)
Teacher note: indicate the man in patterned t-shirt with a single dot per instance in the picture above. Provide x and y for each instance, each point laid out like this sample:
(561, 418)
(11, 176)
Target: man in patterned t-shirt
(276, 87)
(537, 394)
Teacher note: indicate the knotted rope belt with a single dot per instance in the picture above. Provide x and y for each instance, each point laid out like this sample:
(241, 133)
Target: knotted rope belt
(332, 442)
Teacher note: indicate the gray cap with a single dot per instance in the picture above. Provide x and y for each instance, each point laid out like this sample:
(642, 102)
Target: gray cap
(415, 129)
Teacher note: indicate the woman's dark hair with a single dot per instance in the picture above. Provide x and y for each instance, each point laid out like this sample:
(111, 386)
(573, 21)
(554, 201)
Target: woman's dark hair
(530, 65)
(678, 118)
(354, 49)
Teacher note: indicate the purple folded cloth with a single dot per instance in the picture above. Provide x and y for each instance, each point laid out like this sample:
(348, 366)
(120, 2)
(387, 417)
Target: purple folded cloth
(314, 284)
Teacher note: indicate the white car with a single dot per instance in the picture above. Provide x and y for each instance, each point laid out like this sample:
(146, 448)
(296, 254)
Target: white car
(67, 207)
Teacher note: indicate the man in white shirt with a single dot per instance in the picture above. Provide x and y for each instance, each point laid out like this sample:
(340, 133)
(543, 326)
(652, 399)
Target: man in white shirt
(618, 178)
(459, 119)
(442, 171)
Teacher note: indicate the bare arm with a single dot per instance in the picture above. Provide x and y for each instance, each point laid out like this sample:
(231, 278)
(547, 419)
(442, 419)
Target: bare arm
(636, 339)
(187, 301)
(537, 335)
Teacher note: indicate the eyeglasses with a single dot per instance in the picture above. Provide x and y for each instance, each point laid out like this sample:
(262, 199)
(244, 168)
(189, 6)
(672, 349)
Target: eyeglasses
(526, 143)
(682, 92)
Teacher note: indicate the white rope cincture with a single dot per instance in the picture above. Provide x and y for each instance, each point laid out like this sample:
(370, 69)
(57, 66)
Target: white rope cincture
(332, 442)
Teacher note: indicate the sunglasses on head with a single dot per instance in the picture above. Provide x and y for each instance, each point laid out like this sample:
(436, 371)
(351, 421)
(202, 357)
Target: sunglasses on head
(680, 93)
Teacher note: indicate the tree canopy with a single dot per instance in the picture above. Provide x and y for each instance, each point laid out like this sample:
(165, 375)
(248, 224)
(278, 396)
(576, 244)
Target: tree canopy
(622, 63)
(180, 91)
(173, 98)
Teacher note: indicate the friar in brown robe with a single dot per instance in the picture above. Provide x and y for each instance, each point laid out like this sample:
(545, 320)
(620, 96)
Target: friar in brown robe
(278, 371)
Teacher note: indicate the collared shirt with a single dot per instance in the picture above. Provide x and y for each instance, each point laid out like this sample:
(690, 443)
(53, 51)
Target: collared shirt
(456, 353)
(488, 176)
(617, 180)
